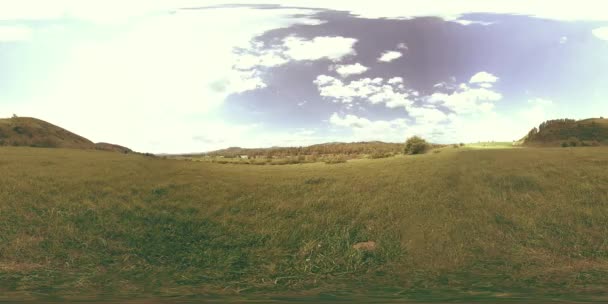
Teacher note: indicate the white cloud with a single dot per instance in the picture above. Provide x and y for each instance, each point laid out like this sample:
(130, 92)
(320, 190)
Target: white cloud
(395, 130)
(601, 33)
(349, 121)
(469, 22)
(468, 100)
(389, 56)
(113, 10)
(14, 33)
(465, 99)
(395, 80)
(483, 77)
(364, 129)
(157, 81)
(563, 40)
(425, 116)
(391, 93)
(378, 90)
(402, 46)
(451, 10)
(333, 48)
(257, 56)
(351, 69)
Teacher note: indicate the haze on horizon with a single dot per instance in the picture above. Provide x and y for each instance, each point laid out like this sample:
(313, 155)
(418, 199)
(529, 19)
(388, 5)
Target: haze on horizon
(193, 76)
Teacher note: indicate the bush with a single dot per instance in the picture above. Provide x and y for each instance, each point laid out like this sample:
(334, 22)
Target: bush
(377, 155)
(590, 143)
(335, 160)
(565, 144)
(461, 144)
(416, 145)
(455, 146)
(573, 142)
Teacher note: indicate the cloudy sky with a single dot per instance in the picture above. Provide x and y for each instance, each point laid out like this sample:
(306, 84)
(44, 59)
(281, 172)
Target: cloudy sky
(186, 76)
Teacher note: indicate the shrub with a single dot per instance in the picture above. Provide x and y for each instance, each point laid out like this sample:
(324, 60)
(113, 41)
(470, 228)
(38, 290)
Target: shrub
(565, 144)
(573, 142)
(335, 160)
(436, 151)
(377, 155)
(455, 146)
(461, 144)
(590, 143)
(416, 145)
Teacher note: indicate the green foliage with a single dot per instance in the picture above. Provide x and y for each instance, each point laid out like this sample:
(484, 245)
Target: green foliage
(416, 145)
(573, 142)
(555, 132)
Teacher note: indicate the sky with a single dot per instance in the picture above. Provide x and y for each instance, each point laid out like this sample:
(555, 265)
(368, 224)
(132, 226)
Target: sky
(187, 76)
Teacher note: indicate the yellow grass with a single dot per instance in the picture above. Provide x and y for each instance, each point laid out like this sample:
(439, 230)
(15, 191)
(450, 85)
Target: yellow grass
(463, 223)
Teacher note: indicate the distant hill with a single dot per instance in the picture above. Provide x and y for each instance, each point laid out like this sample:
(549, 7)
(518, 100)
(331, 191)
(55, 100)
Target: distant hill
(33, 132)
(592, 132)
(354, 148)
(112, 147)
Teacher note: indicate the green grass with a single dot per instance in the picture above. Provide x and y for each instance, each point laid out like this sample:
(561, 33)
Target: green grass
(462, 224)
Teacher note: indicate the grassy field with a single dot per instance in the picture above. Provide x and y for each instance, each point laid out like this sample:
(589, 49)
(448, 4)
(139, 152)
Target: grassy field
(461, 224)
(491, 145)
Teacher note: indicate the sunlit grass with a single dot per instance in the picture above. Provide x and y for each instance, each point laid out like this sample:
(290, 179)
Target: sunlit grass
(491, 145)
(461, 223)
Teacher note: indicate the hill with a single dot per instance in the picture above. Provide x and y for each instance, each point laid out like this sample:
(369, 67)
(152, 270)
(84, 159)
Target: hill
(333, 148)
(318, 149)
(569, 132)
(504, 225)
(112, 147)
(33, 132)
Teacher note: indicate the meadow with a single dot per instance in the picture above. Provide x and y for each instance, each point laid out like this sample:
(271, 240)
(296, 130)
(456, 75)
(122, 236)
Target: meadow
(461, 224)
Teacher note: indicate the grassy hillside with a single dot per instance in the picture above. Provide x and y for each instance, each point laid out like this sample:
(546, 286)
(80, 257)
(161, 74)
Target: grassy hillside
(112, 147)
(569, 132)
(33, 132)
(460, 224)
(27, 131)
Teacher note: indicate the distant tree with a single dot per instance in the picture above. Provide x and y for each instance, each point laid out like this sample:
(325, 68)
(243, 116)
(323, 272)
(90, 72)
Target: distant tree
(534, 131)
(415, 145)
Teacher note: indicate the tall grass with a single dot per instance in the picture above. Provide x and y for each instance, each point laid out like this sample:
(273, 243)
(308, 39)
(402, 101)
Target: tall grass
(462, 223)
